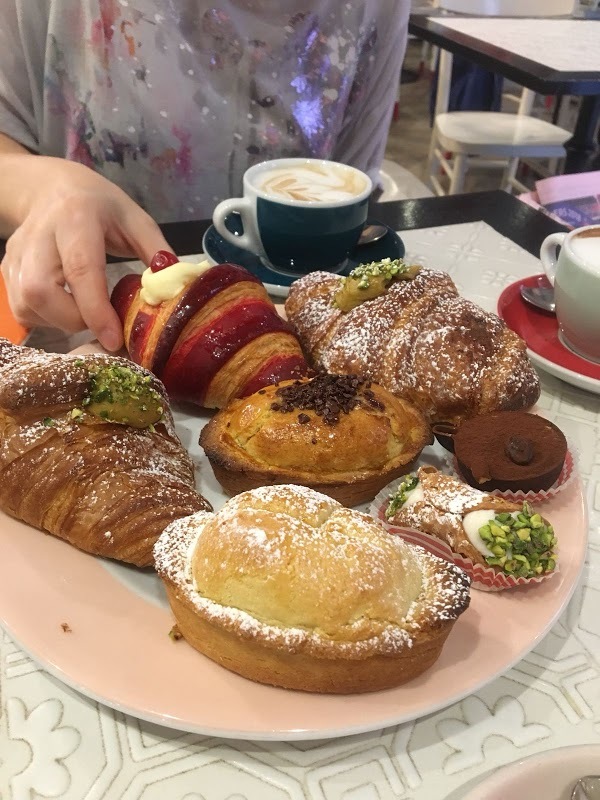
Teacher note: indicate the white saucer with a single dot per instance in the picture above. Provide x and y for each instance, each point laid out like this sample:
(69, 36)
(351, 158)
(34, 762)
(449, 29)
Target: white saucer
(550, 775)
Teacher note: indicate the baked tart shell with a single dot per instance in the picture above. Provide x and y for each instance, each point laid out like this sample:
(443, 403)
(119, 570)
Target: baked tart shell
(285, 586)
(249, 445)
(300, 671)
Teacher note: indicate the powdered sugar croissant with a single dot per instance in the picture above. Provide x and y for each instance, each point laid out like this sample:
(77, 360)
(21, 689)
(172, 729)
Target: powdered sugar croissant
(66, 466)
(408, 329)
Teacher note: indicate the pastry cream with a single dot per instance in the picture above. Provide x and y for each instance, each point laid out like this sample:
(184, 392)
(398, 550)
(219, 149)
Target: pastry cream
(167, 283)
(414, 495)
(473, 521)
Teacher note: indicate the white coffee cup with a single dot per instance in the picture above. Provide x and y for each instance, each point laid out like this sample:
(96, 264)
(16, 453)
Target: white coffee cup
(575, 275)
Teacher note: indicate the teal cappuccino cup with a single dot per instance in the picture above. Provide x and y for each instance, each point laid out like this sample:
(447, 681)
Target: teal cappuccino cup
(299, 214)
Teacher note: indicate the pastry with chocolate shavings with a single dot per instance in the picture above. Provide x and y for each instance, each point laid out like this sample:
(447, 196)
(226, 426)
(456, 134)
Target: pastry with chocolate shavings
(338, 434)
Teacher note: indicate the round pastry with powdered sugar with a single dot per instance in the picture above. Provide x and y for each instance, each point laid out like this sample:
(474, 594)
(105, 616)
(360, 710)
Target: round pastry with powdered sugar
(286, 587)
(306, 432)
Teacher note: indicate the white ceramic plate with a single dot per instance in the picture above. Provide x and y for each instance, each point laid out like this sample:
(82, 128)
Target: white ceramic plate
(566, 375)
(544, 776)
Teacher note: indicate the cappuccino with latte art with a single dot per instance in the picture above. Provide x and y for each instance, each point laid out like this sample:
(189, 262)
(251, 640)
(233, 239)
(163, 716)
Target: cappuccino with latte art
(312, 183)
(298, 214)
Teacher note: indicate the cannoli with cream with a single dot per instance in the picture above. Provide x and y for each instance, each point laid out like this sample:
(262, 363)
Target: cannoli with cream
(510, 537)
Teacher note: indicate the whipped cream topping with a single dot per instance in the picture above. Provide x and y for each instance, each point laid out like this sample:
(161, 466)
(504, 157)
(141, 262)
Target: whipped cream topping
(167, 283)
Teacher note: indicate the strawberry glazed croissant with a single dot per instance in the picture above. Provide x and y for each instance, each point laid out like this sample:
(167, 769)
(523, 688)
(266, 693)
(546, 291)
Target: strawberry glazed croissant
(406, 328)
(209, 333)
(88, 452)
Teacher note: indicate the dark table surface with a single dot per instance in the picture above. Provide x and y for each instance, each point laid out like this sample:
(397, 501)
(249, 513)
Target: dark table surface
(581, 149)
(517, 221)
(505, 213)
(539, 77)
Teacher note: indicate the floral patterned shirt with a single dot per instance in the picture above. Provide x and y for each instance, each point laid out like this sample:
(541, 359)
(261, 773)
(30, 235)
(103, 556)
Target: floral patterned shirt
(174, 99)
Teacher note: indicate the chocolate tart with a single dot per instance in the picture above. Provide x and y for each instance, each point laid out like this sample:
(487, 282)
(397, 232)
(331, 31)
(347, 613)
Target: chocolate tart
(286, 587)
(510, 451)
(336, 434)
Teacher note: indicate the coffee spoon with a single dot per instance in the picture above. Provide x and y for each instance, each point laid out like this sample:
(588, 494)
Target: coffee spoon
(539, 296)
(372, 233)
(587, 788)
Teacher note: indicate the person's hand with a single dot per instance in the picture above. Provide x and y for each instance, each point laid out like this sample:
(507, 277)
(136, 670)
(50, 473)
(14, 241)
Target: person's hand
(72, 218)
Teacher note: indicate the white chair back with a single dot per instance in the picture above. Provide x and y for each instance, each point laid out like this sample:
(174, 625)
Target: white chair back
(521, 130)
(509, 8)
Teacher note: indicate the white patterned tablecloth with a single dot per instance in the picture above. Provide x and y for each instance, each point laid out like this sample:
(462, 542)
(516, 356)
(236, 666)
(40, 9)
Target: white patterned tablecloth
(55, 743)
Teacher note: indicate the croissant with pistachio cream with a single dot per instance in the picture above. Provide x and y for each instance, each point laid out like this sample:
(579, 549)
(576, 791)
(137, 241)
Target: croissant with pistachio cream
(492, 531)
(406, 328)
(88, 452)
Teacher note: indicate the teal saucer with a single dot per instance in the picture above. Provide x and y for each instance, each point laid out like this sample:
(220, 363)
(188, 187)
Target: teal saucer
(277, 283)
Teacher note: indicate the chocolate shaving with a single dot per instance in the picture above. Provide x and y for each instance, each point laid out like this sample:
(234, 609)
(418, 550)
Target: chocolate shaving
(328, 396)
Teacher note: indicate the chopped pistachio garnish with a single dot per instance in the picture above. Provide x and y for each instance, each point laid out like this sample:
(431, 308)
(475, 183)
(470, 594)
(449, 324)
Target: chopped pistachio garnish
(400, 496)
(522, 545)
(386, 269)
(371, 280)
(122, 395)
(48, 422)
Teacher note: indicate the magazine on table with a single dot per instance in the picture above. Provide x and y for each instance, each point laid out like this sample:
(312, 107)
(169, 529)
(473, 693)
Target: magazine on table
(573, 200)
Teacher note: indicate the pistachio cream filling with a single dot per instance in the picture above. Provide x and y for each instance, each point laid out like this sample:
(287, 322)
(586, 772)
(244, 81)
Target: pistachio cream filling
(119, 394)
(371, 280)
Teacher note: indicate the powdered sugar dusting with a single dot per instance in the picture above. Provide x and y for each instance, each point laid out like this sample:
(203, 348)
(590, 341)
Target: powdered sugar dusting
(443, 593)
(420, 340)
(447, 495)
(124, 484)
(33, 379)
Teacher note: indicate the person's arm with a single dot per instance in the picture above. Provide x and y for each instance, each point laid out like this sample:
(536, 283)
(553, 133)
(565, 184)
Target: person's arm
(364, 134)
(62, 218)
(9, 167)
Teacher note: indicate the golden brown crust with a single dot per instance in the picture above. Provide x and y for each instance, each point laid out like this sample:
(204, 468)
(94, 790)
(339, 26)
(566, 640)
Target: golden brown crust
(298, 670)
(286, 587)
(106, 488)
(248, 445)
(419, 340)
